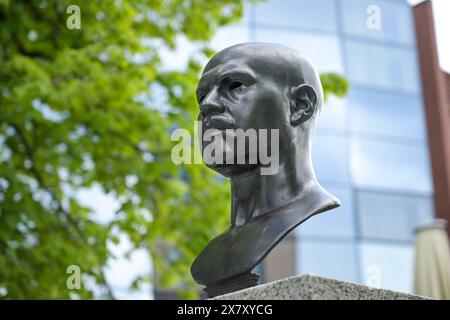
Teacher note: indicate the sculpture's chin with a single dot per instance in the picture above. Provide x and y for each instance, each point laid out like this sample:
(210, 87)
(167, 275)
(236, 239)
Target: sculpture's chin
(230, 170)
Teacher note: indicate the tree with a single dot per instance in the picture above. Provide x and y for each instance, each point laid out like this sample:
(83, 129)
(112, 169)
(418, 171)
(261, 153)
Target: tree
(73, 115)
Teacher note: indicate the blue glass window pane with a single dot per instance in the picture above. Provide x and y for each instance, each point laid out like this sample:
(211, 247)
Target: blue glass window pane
(330, 158)
(328, 259)
(322, 50)
(396, 22)
(382, 66)
(386, 165)
(394, 263)
(383, 113)
(334, 114)
(393, 217)
(319, 15)
(338, 222)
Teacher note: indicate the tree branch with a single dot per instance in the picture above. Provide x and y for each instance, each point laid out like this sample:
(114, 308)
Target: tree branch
(30, 154)
(39, 178)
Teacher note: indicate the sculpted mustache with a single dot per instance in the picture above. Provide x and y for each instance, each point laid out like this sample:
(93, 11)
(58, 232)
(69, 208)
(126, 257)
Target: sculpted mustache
(218, 119)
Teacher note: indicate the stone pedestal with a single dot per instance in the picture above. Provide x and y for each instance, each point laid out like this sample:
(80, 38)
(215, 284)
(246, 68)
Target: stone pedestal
(309, 287)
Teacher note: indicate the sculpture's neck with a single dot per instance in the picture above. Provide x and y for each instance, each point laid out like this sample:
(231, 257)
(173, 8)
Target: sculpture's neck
(254, 194)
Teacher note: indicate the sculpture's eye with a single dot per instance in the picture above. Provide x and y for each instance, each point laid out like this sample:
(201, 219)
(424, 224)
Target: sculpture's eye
(201, 98)
(234, 84)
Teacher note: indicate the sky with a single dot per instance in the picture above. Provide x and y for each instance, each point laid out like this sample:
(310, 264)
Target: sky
(441, 12)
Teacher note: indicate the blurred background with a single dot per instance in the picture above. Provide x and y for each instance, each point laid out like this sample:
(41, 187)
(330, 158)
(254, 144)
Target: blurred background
(91, 90)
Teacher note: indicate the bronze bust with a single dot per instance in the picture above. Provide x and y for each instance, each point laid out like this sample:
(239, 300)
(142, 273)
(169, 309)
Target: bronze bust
(260, 86)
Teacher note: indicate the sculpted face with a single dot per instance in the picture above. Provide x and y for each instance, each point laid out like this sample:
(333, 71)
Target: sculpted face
(240, 93)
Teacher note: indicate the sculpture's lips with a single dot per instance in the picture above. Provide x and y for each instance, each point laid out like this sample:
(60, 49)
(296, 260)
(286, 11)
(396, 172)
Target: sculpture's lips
(219, 121)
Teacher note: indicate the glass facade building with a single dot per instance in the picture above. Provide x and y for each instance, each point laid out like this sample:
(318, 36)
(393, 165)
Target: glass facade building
(370, 148)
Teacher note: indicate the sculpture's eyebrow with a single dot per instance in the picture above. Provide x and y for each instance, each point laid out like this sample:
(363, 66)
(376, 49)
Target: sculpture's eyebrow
(244, 74)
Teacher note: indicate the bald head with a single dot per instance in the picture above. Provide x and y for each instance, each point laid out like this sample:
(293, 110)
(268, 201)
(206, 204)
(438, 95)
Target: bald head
(262, 86)
(281, 63)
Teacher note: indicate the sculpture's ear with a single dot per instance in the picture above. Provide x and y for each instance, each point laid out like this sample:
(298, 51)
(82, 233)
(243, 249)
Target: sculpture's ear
(303, 103)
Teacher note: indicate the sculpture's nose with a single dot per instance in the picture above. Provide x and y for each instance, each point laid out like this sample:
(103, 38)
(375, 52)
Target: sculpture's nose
(211, 103)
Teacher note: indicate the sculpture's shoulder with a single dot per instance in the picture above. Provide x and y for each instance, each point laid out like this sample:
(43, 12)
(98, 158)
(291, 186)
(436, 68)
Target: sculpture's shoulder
(240, 249)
